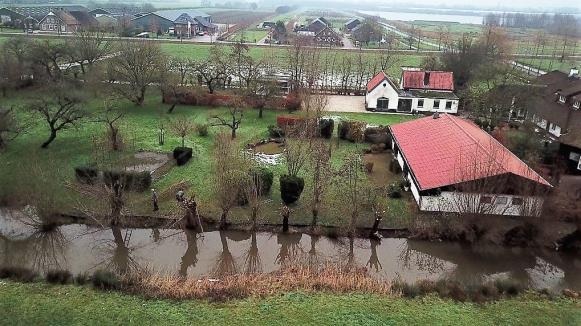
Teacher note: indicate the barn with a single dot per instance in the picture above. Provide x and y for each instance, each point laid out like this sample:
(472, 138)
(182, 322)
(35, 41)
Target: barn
(452, 166)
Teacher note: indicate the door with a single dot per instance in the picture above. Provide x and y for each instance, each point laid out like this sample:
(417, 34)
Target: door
(382, 104)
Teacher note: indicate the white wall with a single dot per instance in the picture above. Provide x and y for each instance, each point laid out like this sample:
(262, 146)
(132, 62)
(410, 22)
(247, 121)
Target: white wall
(457, 202)
(429, 105)
(386, 91)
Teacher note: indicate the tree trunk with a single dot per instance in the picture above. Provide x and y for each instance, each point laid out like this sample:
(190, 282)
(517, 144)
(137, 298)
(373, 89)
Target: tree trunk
(260, 113)
(223, 218)
(315, 217)
(114, 139)
(171, 108)
(233, 133)
(50, 139)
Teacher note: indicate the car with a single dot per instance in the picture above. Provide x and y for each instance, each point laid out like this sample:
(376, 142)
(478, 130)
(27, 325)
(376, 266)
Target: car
(200, 33)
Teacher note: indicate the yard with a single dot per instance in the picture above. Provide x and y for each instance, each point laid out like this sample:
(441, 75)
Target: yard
(49, 174)
(37, 303)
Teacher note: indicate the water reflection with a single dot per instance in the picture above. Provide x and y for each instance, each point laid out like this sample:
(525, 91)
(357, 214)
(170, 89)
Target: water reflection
(79, 248)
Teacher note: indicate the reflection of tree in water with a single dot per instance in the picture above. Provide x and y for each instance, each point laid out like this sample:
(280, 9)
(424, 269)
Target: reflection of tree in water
(118, 253)
(422, 261)
(42, 251)
(289, 247)
(225, 263)
(313, 254)
(190, 257)
(252, 260)
(373, 261)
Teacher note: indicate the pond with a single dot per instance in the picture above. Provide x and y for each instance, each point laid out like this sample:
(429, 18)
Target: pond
(80, 248)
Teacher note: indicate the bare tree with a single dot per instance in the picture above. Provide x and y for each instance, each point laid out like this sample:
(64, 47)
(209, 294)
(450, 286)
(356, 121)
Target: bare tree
(214, 70)
(88, 47)
(110, 116)
(229, 174)
(60, 111)
(10, 127)
(235, 114)
(49, 56)
(350, 180)
(182, 127)
(320, 161)
(135, 68)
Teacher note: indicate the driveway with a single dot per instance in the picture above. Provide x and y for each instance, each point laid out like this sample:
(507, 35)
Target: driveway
(345, 103)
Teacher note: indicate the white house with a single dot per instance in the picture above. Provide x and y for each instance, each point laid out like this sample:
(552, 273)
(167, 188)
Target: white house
(419, 91)
(454, 166)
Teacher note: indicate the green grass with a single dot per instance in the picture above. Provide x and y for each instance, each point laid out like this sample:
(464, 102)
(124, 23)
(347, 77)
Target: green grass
(44, 173)
(250, 35)
(550, 64)
(41, 304)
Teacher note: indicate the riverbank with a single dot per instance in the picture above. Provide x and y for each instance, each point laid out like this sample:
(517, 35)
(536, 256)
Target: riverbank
(37, 303)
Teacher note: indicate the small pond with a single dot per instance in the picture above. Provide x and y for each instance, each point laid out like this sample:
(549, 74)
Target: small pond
(80, 248)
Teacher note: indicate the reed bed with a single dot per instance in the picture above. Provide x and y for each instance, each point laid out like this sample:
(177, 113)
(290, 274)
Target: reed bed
(330, 279)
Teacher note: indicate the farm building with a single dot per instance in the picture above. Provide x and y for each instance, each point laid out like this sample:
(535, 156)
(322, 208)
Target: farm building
(451, 165)
(28, 17)
(419, 91)
(183, 22)
(352, 24)
(61, 21)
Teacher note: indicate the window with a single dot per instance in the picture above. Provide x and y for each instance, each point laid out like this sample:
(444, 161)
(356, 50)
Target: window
(501, 201)
(436, 104)
(420, 103)
(561, 98)
(486, 200)
(517, 201)
(448, 105)
(576, 104)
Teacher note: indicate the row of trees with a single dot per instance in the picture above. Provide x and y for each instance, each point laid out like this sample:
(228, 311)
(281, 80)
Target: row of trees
(559, 24)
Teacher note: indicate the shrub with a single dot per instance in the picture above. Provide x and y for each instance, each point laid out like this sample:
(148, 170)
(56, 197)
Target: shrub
(342, 130)
(508, 286)
(87, 174)
(285, 121)
(407, 290)
(292, 102)
(19, 274)
(326, 127)
(105, 280)
(266, 178)
(394, 166)
(182, 155)
(81, 279)
(291, 188)
(376, 135)
(275, 132)
(131, 181)
(59, 277)
(393, 190)
(202, 129)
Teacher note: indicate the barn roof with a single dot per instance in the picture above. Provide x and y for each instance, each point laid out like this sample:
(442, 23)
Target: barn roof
(449, 150)
(434, 80)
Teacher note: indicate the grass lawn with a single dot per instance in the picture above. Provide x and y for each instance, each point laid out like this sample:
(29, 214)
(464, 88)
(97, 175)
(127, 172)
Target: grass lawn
(250, 35)
(41, 304)
(550, 64)
(45, 174)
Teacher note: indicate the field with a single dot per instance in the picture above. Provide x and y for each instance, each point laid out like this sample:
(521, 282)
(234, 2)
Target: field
(48, 172)
(40, 304)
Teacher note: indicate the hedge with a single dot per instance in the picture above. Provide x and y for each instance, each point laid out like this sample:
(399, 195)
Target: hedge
(266, 178)
(326, 127)
(131, 181)
(376, 135)
(87, 174)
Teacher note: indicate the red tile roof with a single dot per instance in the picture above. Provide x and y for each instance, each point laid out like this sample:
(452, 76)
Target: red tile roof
(450, 150)
(438, 80)
(376, 80)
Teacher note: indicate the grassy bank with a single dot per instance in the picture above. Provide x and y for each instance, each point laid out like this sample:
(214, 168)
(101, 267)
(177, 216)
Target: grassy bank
(36, 303)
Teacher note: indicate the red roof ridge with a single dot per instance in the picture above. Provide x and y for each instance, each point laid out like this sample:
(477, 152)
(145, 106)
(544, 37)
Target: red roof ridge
(538, 176)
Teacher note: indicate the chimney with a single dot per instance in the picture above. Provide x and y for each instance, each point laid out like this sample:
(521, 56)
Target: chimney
(436, 115)
(574, 73)
(426, 78)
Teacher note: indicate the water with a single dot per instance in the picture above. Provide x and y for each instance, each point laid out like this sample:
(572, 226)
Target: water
(411, 16)
(79, 248)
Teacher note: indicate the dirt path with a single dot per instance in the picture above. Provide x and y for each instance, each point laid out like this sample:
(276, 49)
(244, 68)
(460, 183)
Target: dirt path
(344, 103)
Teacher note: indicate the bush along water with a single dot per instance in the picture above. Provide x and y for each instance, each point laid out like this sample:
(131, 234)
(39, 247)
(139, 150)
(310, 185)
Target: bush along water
(291, 188)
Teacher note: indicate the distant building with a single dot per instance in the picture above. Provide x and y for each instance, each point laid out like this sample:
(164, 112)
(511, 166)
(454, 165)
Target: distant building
(28, 16)
(419, 91)
(454, 166)
(185, 23)
(61, 21)
(557, 113)
(352, 24)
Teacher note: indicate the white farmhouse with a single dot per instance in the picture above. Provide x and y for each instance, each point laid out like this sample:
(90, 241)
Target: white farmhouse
(419, 91)
(454, 166)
